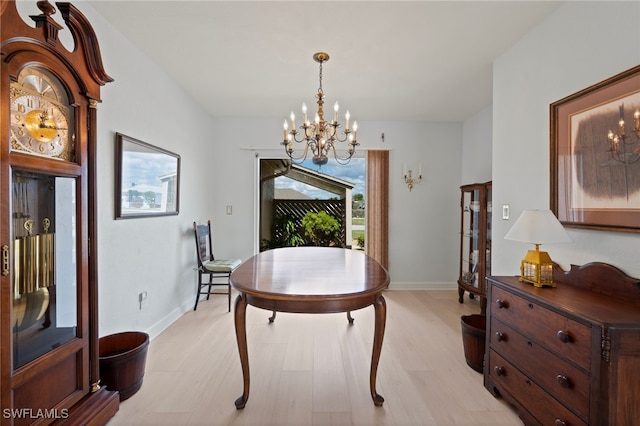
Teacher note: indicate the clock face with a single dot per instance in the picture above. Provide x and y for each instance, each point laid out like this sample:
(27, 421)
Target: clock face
(41, 121)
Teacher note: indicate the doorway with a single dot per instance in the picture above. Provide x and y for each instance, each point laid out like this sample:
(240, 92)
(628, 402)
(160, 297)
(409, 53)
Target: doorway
(288, 191)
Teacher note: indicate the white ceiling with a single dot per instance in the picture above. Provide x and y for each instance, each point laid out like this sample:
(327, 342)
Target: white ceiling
(390, 60)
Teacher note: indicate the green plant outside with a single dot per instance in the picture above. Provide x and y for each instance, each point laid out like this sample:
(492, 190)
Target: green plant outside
(321, 229)
(290, 236)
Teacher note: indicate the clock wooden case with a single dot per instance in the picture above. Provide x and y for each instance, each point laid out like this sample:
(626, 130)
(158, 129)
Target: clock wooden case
(48, 300)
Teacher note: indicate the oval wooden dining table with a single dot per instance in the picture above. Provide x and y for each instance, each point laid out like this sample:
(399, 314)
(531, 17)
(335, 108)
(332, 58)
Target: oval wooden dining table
(313, 280)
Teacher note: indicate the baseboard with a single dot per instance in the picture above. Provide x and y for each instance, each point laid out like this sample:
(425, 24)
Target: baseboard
(423, 286)
(169, 319)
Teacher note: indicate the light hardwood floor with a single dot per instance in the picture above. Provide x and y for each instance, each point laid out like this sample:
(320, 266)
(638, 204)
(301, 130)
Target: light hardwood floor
(314, 369)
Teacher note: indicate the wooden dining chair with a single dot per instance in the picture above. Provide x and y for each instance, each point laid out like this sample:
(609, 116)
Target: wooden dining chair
(209, 266)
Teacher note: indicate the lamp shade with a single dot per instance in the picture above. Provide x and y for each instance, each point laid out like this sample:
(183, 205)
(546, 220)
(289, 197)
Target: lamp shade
(538, 227)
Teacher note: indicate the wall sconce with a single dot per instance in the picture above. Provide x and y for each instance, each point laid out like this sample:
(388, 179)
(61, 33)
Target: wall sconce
(537, 227)
(409, 180)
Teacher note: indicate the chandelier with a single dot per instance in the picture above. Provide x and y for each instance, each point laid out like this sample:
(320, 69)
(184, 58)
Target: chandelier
(621, 147)
(320, 136)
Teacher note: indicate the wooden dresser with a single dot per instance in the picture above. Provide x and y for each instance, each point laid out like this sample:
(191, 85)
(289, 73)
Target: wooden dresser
(568, 355)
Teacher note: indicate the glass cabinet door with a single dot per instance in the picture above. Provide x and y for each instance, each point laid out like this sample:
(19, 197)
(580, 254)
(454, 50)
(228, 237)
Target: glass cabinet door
(470, 234)
(44, 294)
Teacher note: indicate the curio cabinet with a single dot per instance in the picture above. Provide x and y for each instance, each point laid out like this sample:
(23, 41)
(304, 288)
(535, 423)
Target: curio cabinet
(475, 241)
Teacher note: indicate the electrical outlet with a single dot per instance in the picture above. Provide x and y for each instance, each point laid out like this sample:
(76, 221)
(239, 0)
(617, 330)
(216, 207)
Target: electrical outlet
(229, 210)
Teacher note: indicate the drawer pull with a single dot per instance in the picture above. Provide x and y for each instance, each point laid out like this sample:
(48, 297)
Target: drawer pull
(500, 336)
(564, 337)
(564, 381)
(499, 370)
(501, 304)
(560, 423)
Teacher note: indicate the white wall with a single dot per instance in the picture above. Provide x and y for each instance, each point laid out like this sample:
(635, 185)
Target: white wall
(155, 255)
(423, 223)
(477, 142)
(581, 44)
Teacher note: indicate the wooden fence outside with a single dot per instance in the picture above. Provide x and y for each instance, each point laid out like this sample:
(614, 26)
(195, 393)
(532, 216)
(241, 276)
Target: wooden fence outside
(295, 210)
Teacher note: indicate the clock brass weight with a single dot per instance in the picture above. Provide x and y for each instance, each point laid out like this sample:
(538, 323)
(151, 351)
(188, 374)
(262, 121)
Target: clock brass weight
(34, 259)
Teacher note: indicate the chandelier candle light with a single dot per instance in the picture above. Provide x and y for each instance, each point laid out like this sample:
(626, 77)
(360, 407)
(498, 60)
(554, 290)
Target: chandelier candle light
(320, 136)
(537, 227)
(618, 143)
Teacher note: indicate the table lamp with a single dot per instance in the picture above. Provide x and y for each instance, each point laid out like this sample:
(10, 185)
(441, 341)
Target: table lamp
(537, 227)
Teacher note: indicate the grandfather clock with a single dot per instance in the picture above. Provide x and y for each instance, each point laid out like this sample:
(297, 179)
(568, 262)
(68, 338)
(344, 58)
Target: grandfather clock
(48, 300)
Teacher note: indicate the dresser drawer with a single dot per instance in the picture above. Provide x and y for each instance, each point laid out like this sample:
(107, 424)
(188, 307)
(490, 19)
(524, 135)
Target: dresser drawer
(540, 404)
(566, 382)
(561, 335)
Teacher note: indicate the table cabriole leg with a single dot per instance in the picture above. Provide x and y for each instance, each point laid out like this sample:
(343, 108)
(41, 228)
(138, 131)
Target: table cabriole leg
(241, 336)
(380, 307)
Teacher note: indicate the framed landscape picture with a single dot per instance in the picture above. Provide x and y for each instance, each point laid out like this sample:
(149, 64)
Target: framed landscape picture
(147, 179)
(595, 155)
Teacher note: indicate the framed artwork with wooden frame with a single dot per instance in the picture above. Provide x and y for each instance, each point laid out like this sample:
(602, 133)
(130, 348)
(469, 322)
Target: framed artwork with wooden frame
(595, 155)
(147, 180)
